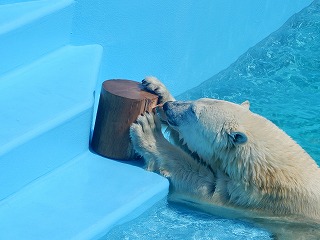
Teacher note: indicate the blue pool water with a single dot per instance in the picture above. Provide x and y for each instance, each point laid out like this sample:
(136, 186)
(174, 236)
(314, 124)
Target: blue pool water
(280, 76)
(173, 221)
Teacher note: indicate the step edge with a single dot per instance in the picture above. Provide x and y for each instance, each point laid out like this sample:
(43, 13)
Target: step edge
(39, 130)
(39, 179)
(32, 64)
(85, 103)
(125, 213)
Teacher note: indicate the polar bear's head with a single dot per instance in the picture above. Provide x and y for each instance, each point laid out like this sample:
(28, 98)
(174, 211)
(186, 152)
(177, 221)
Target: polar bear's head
(209, 126)
(232, 137)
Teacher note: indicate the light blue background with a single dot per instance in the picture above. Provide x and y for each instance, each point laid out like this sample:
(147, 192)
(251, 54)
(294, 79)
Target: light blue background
(182, 42)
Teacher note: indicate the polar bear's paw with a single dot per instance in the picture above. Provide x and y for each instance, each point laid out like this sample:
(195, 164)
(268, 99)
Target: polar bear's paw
(145, 133)
(154, 85)
(164, 172)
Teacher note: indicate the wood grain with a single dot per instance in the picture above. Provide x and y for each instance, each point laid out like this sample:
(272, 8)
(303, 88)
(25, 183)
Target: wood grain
(120, 103)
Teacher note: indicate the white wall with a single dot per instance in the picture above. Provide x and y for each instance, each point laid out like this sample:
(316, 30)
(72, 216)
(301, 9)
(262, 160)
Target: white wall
(183, 42)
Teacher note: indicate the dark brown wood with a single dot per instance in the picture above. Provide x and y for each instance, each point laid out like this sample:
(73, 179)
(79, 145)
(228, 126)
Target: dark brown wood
(120, 103)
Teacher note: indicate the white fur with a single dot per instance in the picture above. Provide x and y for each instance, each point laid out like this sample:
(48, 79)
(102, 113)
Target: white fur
(244, 161)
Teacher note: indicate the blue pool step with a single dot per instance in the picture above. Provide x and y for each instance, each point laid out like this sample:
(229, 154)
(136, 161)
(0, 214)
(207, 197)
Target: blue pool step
(51, 185)
(46, 110)
(80, 200)
(29, 30)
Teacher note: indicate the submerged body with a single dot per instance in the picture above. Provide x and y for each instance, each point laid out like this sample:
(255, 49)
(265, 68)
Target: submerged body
(223, 156)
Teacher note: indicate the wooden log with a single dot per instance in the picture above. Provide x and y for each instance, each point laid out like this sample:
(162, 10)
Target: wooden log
(120, 103)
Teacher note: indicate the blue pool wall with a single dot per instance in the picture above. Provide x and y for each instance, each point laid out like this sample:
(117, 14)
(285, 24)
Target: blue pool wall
(181, 42)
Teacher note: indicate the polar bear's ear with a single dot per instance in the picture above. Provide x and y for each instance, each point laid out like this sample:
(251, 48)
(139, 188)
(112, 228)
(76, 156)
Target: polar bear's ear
(238, 137)
(245, 104)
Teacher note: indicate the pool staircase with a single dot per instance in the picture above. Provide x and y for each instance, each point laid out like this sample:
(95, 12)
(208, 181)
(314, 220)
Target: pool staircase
(51, 185)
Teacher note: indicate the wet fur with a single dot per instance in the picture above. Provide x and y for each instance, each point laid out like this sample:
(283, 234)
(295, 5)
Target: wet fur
(279, 195)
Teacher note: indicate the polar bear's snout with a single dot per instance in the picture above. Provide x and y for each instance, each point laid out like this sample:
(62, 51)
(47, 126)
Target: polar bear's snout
(177, 112)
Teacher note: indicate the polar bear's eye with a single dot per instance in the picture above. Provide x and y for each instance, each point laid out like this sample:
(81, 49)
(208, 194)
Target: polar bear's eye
(238, 137)
(193, 109)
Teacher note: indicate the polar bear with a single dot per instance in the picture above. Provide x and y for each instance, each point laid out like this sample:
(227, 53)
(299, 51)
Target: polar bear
(222, 154)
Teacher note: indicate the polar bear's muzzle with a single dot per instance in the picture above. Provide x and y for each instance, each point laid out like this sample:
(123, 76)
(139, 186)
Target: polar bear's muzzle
(176, 112)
